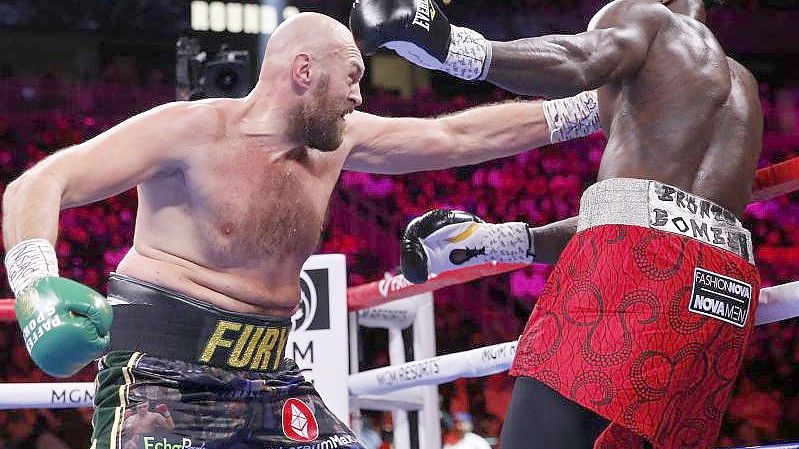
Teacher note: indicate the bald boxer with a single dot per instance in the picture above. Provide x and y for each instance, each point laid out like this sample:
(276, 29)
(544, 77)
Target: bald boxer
(639, 333)
(232, 197)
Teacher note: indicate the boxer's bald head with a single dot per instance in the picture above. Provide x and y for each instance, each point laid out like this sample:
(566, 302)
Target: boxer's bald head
(313, 64)
(307, 32)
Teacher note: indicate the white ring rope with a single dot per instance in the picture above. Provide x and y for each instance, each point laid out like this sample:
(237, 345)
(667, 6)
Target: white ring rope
(776, 446)
(46, 395)
(437, 370)
(778, 303)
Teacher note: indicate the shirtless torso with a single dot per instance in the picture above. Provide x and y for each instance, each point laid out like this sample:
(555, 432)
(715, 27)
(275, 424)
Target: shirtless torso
(235, 221)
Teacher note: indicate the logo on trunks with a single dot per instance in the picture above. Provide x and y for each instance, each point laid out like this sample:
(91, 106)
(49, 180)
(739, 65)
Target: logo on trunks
(424, 14)
(331, 442)
(720, 297)
(686, 214)
(299, 422)
(163, 443)
(314, 310)
(245, 346)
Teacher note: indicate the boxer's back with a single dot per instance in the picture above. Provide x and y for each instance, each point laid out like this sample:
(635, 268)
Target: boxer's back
(689, 116)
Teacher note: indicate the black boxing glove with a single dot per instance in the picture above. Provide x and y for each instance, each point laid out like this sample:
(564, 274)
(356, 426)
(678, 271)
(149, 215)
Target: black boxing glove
(419, 31)
(444, 240)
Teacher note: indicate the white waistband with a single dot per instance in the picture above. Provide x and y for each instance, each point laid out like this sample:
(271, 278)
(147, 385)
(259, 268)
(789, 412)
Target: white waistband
(652, 204)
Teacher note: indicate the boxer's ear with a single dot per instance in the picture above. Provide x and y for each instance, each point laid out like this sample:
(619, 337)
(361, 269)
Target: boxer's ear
(301, 70)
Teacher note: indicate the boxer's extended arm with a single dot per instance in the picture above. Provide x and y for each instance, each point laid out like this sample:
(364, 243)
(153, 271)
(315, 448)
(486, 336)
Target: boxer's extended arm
(403, 145)
(420, 32)
(560, 65)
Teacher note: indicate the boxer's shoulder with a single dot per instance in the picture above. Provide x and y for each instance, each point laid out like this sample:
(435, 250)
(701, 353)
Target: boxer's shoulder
(629, 12)
(185, 122)
(203, 118)
(742, 74)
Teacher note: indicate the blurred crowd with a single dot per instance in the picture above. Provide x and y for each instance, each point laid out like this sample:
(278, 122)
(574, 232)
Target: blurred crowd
(40, 116)
(499, 19)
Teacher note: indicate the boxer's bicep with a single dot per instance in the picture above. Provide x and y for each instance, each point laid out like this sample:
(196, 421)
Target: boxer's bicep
(155, 142)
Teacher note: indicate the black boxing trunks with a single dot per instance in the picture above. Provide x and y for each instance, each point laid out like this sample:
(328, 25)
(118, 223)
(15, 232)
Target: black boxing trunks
(646, 316)
(182, 374)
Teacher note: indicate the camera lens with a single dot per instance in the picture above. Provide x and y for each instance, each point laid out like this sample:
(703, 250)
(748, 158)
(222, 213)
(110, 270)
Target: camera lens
(227, 80)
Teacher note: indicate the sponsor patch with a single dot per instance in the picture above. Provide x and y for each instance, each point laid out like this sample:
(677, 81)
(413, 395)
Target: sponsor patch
(720, 297)
(299, 422)
(425, 13)
(331, 442)
(150, 442)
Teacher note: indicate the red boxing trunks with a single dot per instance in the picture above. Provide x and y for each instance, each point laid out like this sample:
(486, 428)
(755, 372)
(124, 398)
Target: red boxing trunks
(646, 316)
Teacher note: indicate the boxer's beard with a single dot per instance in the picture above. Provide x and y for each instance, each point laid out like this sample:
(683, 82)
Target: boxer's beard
(317, 121)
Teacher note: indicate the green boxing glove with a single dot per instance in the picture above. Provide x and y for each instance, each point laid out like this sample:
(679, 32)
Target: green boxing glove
(65, 324)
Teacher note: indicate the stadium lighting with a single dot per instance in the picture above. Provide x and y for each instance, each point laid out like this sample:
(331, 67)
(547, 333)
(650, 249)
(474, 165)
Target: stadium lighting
(236, 17)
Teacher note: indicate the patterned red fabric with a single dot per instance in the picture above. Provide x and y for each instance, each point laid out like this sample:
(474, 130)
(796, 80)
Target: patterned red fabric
(612, 331)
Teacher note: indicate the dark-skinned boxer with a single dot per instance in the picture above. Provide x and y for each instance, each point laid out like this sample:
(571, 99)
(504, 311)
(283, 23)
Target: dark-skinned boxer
(639, 334)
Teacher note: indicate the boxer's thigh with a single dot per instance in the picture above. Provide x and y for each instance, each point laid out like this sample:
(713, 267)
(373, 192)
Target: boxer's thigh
(539, 417)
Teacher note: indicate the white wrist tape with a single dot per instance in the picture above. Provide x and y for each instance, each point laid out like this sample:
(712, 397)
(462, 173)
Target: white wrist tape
(509, 242)
(29, 260)
(573, 117)
(469, 54)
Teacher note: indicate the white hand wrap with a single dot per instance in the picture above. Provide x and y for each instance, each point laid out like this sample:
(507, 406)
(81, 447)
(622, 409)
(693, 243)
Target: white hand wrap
(573, 117)
(465, 244)
(468, 57)
(469, 54)
(29, 260)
